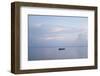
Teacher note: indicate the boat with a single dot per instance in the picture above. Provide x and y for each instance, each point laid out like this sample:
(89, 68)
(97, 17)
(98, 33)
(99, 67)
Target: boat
(61, 49)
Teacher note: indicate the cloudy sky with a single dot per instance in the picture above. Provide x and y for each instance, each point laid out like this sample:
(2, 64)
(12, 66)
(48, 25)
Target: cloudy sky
(53, 31)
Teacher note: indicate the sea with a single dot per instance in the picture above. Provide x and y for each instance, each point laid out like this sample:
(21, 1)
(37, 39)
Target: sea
(52, 53)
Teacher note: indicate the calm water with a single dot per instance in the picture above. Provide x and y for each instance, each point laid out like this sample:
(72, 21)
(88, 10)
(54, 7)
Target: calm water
(55, 53)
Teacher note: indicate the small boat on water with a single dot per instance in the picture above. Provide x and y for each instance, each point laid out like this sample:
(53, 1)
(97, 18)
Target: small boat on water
(61, 49)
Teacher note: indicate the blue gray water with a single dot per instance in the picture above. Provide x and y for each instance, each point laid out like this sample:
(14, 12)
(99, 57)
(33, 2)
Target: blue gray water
(55, 53)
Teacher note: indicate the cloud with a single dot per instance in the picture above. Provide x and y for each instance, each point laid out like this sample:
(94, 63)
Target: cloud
(57, 29)
(55, 38)
(59, 37)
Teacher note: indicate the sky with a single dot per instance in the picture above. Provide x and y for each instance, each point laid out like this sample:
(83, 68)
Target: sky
(53, 31)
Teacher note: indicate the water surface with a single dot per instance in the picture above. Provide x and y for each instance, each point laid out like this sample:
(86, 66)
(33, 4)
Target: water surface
(55, 53)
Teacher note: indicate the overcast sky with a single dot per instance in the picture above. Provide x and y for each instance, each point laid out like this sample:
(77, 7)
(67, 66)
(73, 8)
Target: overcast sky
(47, 31)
